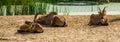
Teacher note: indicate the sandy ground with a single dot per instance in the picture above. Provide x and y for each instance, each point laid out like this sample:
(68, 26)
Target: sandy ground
(77, 31)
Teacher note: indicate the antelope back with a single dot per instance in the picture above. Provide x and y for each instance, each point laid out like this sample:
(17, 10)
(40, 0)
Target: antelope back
(95, 18)
(51, 14)
(59, 21)
(50, 17)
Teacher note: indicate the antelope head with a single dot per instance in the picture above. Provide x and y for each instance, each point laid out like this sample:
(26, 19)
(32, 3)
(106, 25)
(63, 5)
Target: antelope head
(102, 15)
(102, 12)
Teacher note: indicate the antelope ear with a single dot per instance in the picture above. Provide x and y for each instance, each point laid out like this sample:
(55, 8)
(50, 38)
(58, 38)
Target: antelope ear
(99, 12)
(27, 22)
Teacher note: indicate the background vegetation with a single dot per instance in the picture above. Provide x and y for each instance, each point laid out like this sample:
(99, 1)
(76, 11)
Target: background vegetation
(28, 7)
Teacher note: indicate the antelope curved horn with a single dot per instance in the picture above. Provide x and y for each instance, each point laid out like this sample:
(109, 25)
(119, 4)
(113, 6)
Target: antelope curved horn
(35, 17)
(99, 9)
(105, 8)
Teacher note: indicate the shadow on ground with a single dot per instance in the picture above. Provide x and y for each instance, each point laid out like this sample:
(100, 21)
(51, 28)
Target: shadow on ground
(114, 20)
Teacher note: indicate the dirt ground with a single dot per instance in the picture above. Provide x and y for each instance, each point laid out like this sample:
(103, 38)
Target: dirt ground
(77, 30)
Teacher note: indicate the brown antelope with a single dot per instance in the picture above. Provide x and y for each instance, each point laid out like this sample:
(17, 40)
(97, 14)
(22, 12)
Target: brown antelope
(59, 21)
(99, 19)
(52, 19)
(32, 27)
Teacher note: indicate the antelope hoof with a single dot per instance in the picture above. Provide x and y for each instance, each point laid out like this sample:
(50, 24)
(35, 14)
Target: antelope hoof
(21, 31)
(106, 24)
(89, 24)
(38, 32)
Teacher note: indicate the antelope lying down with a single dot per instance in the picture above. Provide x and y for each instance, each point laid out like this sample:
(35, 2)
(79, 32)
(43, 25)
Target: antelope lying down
(99, 19)
(32, 27)
(52, 19)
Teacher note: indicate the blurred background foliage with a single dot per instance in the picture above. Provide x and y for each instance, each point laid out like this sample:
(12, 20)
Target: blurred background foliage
(28, 7)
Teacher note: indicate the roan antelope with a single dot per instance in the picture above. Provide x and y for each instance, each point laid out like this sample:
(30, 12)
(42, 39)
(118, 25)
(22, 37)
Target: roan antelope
(32, 27)
(100, 18)
(52, 19)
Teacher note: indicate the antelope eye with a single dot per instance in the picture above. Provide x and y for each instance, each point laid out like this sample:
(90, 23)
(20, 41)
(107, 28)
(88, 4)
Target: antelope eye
(101, 17)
